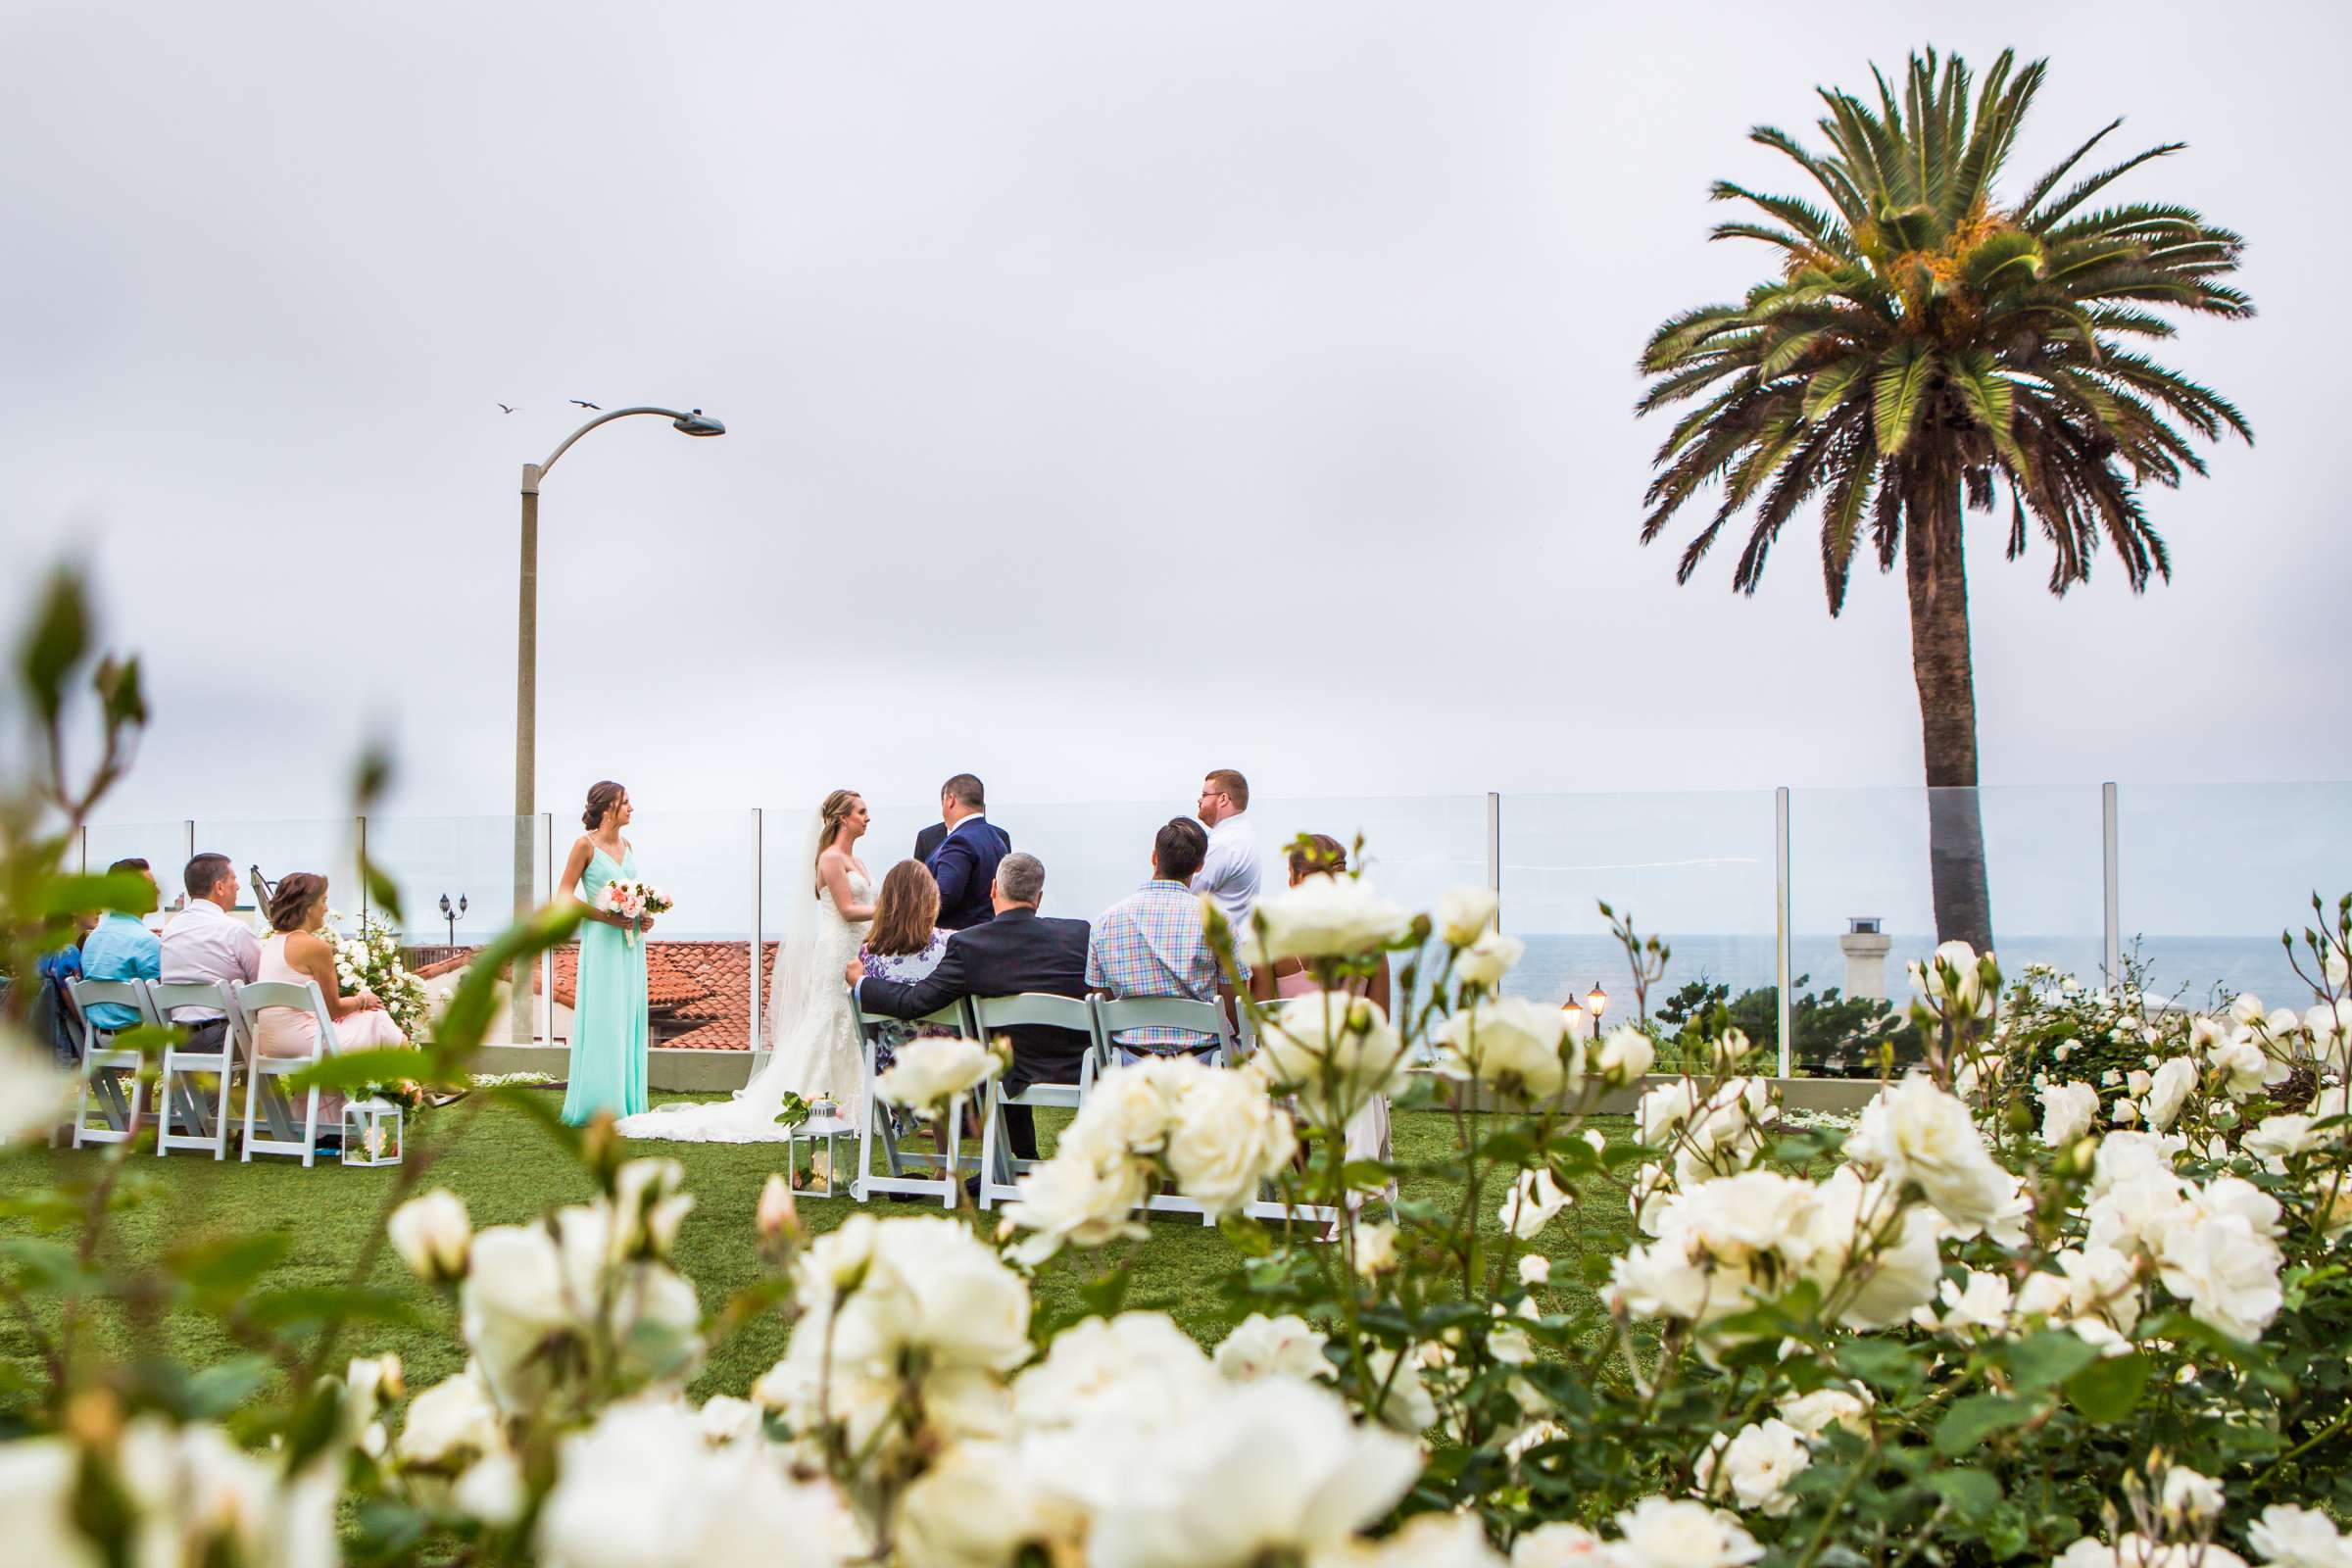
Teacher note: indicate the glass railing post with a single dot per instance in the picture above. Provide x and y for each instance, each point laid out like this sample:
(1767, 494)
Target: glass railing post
(1783, 969)
(759, 920)
(85, 836)
(1495, 853)
(190, 835)
(365, 889)
(544, 1015)
(2111, 868)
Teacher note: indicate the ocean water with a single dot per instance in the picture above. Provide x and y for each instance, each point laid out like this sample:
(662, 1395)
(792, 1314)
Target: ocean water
(2195, 969)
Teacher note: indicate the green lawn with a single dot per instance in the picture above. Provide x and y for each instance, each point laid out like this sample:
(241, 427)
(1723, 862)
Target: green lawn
(507, 1171)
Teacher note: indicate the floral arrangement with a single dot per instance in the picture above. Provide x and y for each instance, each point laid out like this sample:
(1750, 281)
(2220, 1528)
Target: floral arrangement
(633, 902)
(2010, 1316)
(368, 959)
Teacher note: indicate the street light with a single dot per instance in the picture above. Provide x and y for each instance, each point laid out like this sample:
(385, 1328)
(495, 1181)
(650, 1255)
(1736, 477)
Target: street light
(1596, 1002)
(451, 916)
(526, 654)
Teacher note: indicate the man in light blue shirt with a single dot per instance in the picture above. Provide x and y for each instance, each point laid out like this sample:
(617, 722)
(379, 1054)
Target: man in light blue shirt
(122, 948)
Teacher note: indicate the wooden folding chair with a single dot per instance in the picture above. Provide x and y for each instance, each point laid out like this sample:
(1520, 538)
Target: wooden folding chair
(1000, 1170)
(259, 1071)
(210, 1127)
(875, 1126)
(105, 1066)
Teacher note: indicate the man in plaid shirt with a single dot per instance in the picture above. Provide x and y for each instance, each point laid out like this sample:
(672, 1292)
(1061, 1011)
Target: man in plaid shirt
(1152, 944)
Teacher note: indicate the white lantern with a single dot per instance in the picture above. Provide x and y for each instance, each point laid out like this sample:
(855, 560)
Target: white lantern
(824, 1129)
(372, 1132)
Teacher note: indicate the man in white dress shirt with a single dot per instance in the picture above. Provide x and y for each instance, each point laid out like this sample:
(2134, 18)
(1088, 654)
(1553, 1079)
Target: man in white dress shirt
(1230, 873)
(204, 942)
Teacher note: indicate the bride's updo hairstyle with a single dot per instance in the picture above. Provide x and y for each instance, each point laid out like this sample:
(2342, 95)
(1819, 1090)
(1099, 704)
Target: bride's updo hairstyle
(602, 796)
(837, 807)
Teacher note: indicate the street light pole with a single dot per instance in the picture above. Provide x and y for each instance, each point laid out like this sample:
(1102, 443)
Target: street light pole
(526, 663)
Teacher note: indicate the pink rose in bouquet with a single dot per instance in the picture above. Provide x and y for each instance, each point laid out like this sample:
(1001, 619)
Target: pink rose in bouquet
(632, 902)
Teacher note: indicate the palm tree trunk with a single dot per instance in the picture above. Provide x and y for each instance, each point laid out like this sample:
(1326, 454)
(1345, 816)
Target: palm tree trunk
(1947, 706)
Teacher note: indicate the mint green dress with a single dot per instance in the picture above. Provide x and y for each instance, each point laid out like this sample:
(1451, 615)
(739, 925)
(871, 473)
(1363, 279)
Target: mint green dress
(607, 1008)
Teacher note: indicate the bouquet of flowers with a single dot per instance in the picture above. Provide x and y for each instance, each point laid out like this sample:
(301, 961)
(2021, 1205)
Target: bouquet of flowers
(633, 902)
(370, 961)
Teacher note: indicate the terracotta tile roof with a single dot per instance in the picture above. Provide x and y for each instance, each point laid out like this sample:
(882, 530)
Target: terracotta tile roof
(698, 992)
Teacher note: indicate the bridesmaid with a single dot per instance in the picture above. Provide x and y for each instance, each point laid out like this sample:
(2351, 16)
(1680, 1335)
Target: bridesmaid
(608, 1011)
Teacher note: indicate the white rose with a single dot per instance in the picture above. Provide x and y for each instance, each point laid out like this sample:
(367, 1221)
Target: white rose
(1726, 1051)
(1138, 1367)
(2187, 1497)
(38, 1480)
(1533, 1202)
(1465, 915)
(927, 1073)
(1626, 1055)
(1673, 1533)
(1815, 1413)
(1325, 916)
(1513, 1045)
(1336, 1051)
(1230, 1138)
(34, 1096)
(492, 1489)
(433, 1234)
(1271, 1467)
(1133, 1106)
(1535, 1269)
(642, 1489)
(2167, 1091)
(2067, 1113)
(1981, 1307)
(2289, 1536)
(1558, 1545)
(450, 1425)
(1375, 1248)
(1426, 1541)
(1852, 1217)
(512, 1303)
(1917, 1134)
(1273, 1347)
(1664, 1109)
(2247, 1069)
(2136, 1082)
(932, 1287)
(2226, 1273)
(979, 1505)
(1754, 1468)
(2275, 1139)
(1488, 960)
(1079, 1198)
(2122, 1113)
(1964, 991)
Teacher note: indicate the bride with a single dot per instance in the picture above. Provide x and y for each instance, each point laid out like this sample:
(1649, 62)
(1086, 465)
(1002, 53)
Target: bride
(816, 1044)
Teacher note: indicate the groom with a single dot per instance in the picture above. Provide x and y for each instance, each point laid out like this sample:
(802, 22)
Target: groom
(964, 861)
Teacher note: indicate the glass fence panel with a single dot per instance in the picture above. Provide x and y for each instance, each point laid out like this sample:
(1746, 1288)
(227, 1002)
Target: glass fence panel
(164, 846)
(265, 851)
(1693, 868)
(1863, 897)
(469, 862)
(2210, 874)
(698, 956)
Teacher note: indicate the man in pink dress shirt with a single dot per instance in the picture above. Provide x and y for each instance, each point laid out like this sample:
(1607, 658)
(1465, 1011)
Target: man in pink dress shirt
(204, 942)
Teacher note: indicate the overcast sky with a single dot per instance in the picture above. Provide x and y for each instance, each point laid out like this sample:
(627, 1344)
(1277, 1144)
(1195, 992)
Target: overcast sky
(1113, 392)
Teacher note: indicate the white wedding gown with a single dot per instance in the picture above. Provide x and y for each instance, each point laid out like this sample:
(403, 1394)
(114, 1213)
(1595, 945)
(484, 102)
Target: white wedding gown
(816, 1052)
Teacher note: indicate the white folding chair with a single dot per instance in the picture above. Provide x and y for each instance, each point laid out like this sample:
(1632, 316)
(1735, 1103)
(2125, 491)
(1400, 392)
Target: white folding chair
(260, 1069)
(101, 1062)
(1000, 1171)
(209, 1127)
(875, 1125)
(1115, 1013)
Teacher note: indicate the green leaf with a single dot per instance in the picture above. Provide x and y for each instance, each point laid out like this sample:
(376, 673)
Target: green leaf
(2109, 1390)
(1829, 385)
(1972, 1420)
(1368, 1175)
(121, 892)
(217, 1390)
(1970, 1491)
(306, 1304)
(2048, 1360)
(1882, 1365)
(1247, 1236)
(55, 640)
(1899, 395)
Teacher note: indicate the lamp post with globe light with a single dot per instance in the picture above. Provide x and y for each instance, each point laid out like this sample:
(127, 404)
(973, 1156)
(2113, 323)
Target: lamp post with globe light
(1596, 1002)
(692, 421)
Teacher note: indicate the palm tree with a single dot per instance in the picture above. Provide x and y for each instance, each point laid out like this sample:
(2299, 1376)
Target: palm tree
(1926, 346)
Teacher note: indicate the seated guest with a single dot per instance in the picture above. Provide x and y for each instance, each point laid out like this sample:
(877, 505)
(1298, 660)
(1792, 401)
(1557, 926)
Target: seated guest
(1151, 942)
(122, 948)
(1368, 1128)
(1018, 951)
(295, 953)
(205, 943)
(53, 1017)
(905, 943)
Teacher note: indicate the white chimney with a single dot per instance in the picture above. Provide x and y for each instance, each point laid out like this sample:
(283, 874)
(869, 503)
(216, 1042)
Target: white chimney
(1865, 949)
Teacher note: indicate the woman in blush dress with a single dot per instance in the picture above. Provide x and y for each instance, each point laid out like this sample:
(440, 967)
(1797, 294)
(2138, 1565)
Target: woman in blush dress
(295, 953)
(1368, 1128)
(609, 1017)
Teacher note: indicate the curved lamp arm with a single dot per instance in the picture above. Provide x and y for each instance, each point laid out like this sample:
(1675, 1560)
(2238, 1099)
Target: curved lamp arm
(694, 422)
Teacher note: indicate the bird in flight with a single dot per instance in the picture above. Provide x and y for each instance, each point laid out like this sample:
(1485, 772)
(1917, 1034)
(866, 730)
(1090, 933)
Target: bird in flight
(506, 408)
(585, 404)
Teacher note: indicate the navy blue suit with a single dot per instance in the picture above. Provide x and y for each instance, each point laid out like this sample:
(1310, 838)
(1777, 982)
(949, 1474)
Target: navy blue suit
(965, 868)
